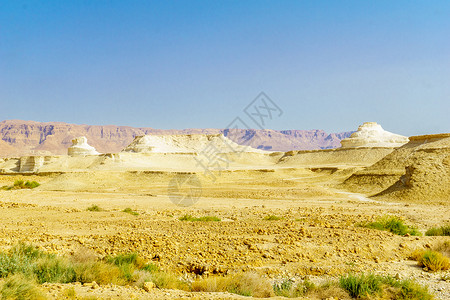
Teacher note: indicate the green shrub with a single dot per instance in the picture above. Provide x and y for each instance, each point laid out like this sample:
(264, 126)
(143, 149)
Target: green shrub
(36, 265)
(151, 268)
(31, 184)
(54, 269)
(361, 286)
(122, 259)
(19, 259)
(410, 290)
(365, 286)
(130, 263)
(200, 219)
(94, 208)
(20, 184)
(393, 224)
(127, 264)
(439, 231)
(272, 218)
(130, 211)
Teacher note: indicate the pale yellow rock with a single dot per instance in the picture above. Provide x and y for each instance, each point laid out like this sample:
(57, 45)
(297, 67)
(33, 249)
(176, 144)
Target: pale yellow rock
(80, 147)
(371, 134)
(148, 286)
(187, 143)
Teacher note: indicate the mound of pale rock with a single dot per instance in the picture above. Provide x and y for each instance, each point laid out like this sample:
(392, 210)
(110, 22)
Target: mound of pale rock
(371, 134)
(419, 170)
(80, 147)
(186, 143)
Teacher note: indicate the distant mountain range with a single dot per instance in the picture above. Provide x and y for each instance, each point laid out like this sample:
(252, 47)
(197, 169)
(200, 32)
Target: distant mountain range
(19, 138)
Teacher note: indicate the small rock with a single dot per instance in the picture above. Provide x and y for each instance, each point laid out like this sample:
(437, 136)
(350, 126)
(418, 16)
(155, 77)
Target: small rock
(148, 286)
(94, 285)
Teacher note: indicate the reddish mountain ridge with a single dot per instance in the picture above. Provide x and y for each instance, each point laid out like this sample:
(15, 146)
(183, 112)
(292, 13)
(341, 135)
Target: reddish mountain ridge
(19, 138)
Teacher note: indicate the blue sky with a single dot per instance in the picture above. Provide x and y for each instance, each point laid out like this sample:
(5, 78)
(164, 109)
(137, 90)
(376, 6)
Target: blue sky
(329, 65)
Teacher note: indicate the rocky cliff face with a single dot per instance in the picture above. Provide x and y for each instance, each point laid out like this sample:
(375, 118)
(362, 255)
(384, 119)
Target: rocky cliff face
(18, 138)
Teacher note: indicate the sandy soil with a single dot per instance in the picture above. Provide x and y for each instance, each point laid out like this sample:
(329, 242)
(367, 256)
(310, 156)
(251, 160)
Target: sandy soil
(317, 235)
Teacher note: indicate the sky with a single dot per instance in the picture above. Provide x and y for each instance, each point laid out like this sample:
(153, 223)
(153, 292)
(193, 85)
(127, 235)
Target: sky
(328, 65)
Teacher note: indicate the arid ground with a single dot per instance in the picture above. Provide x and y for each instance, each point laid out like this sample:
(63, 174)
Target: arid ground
(280, 223)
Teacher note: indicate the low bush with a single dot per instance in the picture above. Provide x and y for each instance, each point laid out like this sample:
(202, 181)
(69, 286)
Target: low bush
(362, 285)
(439, 231)
(127, 264)
(287, 288)
(432, 260)
(249, 284)
(19, 259)
(21, 184)
(368, 286)
(393, 224)
(412, 290)
(100, 272)
(130, 211)
(200, 219)
(54, 269)
(165, 280)
(272, 218)
(284, 288)
(39, 266)
(94, 208)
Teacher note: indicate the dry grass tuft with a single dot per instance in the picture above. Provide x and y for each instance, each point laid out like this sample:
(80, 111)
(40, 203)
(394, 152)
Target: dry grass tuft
(19, 287)
(433, 260)
(250, 284)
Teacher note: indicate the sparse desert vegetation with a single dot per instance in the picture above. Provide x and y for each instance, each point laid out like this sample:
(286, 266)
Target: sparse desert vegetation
(130, 211)
(443, 230)
(94, 207)
(21, 184)
(272, 218)
(291, 232)
(393, 224)
(198, 253)
(431, 260)
(199, 219)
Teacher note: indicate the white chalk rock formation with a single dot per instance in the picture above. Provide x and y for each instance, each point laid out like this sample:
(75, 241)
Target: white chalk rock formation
(371, 134)
(186, 143)
(80, 147)
(30, 163)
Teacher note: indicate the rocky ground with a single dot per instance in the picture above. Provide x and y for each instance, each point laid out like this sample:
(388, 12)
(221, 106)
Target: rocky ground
(316, 235)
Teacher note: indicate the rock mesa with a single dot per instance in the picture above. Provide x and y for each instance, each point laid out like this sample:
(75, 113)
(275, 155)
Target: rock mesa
(80, 147)
(186, 143)
(372, 135)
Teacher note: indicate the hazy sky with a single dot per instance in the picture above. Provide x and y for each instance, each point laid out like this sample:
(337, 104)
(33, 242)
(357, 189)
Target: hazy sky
(196, 64)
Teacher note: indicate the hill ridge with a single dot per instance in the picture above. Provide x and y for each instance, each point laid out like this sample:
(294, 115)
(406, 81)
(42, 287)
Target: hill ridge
(18, 138)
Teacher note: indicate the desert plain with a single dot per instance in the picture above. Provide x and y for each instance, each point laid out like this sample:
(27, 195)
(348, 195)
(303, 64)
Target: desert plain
(280, 216)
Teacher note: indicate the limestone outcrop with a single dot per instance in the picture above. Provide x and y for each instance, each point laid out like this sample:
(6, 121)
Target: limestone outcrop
(31, 163)
(80, 147)
(372, 135)
(186, 143)
(419, 171)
